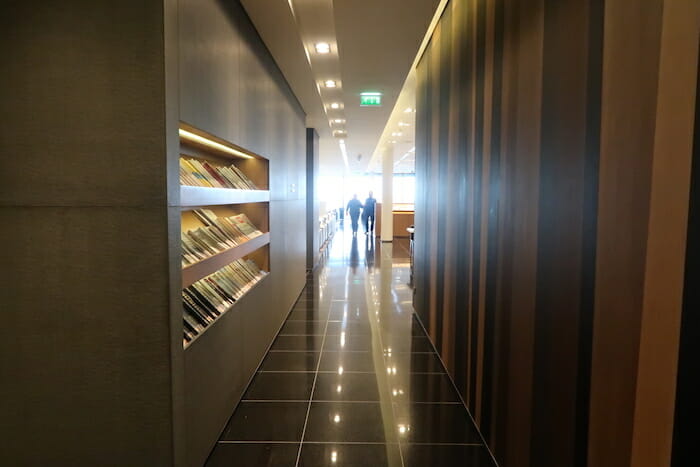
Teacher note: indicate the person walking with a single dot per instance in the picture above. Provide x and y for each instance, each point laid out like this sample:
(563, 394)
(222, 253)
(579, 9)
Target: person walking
(368, 213)
(354, 208)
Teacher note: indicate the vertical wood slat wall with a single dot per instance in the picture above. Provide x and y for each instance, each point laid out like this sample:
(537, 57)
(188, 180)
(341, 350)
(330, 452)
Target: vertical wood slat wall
(553, 150)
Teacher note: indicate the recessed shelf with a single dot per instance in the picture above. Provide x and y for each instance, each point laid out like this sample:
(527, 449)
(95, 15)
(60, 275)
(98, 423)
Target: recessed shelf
(210, 325)
(200, 139)
(194, 272)
(194, 196)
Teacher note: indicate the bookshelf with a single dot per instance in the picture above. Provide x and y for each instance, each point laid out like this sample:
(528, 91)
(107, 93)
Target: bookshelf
(193, 272)
(196, 196)
(210, 226)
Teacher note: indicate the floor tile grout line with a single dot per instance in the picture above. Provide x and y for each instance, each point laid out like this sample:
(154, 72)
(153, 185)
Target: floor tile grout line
(313, 388)
(257, 370)
(257, 441)
(346, 351)
(347, 372)
(393, 444)
(331, 401)
(464, 404)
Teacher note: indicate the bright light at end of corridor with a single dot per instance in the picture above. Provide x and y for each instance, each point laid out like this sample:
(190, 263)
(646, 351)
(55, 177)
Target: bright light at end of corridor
(323, 47)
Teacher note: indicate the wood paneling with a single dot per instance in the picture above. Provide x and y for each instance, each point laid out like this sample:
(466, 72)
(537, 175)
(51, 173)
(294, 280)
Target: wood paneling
(563, 161)
(688, 385)
(543, 207)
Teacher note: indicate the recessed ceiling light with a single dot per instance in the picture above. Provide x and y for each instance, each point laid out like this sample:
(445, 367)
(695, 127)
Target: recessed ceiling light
(335, 105)
(408, 110)
(338, 120)
(329, 83)
(323, 47)
(396, 133)
(403, 124)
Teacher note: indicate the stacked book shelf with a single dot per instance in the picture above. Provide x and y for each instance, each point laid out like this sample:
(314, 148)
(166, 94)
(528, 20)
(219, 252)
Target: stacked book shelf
(225, 234)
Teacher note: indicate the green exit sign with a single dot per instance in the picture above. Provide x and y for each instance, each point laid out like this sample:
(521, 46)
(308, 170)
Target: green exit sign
(371, 99)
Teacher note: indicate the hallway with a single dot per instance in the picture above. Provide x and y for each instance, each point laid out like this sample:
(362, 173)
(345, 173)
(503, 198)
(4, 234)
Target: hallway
(352, 379)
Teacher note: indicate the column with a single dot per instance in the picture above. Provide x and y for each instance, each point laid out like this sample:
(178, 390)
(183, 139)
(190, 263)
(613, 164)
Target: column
(387, 193)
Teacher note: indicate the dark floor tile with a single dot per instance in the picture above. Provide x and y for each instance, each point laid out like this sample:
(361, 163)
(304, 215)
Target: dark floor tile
(258, 455)
(349, 328)
(310, 297)
(346, 387)
(346, 422)
(354, 317)
(280, 386)
(307, 343)
(345, 341)
(406, 344)
(417, 330)
(427, 388)
(308, 315)
(350, 455)
(311, 306)
(290, 361)
(416, 362)
(303, 328)
(421, 455)
(354, 308)
(348, 361)
(435, 423)
(266, 421)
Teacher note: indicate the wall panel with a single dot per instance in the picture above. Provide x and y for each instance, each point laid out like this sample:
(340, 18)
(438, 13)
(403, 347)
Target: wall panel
(687, 407)
(231, 87)
(86, 359)
(541, 126)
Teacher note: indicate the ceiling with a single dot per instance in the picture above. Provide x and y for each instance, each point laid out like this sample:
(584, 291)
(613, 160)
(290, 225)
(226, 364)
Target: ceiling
(373, 46)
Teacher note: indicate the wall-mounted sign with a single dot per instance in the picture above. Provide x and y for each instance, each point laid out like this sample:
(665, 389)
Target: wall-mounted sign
(371, 99)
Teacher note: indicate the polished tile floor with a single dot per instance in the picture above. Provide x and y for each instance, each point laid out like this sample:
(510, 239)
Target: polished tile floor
(352, 379)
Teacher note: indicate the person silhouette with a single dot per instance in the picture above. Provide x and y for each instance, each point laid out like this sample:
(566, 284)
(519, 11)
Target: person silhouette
(368, 213)
(354, 208)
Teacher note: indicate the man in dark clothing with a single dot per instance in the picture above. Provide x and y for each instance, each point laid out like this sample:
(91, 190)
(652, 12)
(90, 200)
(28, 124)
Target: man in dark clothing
(354, 207)
(368, 213)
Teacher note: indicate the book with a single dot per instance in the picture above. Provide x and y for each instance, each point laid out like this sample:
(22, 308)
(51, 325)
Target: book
(194, 172)
(210, 297)
(245, 226)
(218, 234)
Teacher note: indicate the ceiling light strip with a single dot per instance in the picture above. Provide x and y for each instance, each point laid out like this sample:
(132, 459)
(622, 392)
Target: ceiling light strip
(197, 139)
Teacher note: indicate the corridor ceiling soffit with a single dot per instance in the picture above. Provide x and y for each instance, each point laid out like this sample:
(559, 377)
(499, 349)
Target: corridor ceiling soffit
(399, 131)
(278, 29)
(378, 42)
(279, 25)
(372, 47)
